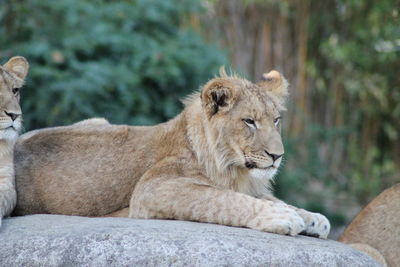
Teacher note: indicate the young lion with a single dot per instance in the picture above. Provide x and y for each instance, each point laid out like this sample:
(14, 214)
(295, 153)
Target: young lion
(12, 75)
(212, 163)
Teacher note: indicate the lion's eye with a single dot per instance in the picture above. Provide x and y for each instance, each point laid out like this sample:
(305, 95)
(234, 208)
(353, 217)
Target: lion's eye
(250, 122)
(277, 121)
(15, 91)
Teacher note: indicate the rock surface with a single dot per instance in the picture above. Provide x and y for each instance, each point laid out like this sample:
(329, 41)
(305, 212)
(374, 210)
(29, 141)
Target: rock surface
(55, 240)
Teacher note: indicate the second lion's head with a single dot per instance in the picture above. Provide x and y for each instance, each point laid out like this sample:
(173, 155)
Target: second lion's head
(12, 76)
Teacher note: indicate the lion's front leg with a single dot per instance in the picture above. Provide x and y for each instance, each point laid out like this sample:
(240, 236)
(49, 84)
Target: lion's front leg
(316, 224)
(187, 199)
(8, 196)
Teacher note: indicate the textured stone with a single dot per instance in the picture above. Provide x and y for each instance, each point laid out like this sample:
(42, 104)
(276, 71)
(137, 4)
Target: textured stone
(55, 240)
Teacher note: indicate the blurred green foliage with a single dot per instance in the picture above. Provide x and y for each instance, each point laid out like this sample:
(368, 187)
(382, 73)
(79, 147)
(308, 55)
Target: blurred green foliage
(129, 61)
(356, 51)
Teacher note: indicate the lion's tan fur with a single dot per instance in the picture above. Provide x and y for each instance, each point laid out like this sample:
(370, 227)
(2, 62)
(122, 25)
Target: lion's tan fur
(378, 226)
(208, 164)
(12, 75)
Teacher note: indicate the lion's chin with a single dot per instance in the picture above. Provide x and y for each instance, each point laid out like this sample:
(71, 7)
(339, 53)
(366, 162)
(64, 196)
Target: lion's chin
(263, 174)
(9, 134)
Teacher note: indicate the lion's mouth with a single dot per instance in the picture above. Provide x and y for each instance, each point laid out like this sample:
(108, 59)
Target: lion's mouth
(252, 165)
(268, 168)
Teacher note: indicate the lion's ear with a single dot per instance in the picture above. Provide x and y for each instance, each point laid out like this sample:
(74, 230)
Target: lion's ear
(218, 96)
(274, 82)
(18, 66)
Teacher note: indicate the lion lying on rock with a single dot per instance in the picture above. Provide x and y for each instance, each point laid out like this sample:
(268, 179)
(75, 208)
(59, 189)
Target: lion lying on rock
(12, 76)
(212, 163)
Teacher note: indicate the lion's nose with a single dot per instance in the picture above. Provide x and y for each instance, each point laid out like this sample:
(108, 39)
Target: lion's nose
(273, 156)
(13, 116)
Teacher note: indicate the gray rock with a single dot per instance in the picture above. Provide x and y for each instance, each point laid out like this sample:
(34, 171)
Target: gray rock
(55, 240)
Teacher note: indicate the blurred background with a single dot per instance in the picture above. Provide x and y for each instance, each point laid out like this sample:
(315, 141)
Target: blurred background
(132, 60)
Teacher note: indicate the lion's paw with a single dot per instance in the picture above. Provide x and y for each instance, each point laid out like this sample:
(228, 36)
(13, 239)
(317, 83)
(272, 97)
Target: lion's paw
(317, 225)
(284, 221)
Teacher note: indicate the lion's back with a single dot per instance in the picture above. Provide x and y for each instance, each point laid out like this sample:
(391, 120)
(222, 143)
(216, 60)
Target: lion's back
(58, 170)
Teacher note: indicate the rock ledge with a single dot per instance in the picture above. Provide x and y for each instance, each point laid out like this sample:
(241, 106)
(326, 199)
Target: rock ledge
(55, 240)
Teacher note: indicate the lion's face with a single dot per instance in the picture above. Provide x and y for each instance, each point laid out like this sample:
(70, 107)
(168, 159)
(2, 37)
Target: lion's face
(12, 75)
(244, 122)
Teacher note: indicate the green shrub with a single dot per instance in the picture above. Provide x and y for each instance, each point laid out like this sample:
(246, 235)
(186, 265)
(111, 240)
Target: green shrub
(129, 61)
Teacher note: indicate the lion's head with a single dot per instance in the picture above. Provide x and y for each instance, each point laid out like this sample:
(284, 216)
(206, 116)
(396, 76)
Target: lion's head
(244, 122)
(12, 76)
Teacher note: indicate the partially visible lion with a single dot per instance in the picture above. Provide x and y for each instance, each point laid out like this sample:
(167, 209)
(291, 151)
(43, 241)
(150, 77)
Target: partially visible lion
(12, 76)
(212, 163)
(376, 229)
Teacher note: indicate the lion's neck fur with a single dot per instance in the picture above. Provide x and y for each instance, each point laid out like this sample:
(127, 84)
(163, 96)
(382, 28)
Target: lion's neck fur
(6, 160)
(6, 176)
(215, 160)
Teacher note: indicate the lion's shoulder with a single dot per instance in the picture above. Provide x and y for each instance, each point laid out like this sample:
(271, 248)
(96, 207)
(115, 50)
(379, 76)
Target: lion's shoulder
(92, 121)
